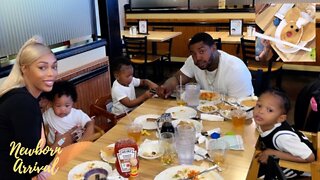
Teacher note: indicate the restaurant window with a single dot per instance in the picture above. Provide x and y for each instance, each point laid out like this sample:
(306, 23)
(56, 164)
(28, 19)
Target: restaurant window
(57, 21)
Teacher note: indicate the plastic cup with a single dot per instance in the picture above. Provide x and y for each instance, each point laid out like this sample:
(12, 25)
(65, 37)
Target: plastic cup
(238, 118)
(167, 148)
(217, 150)
(185, 140)
(134, 131)
(192, 94)
(249, 31)
(180, 95)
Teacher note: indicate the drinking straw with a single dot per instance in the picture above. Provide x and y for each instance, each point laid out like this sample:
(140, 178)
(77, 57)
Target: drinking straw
(263, 36)
(180, 82)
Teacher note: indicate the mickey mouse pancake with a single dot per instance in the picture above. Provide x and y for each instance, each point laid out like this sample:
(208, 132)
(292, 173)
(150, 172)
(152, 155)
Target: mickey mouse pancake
(291, 33)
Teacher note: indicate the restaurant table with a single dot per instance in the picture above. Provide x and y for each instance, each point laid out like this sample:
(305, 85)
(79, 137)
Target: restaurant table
(154, 36)
(237, 163)
(226, 38)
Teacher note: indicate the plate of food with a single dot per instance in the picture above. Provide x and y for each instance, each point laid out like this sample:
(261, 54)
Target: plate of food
(196, 124)
(209, 96)
(150, 150)
(248, 102)
(185, 171)
(207, 108)
(226, 114)
(289, 32)
(148, 121)
(79, 171)
(107, 154)
(179, 112)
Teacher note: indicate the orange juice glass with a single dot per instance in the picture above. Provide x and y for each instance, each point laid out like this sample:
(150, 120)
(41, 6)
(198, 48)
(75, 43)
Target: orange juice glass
(238, 118)
(134, 131)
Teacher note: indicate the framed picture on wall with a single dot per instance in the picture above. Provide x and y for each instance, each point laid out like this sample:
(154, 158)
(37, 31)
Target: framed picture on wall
(236, 26)
(143, 27)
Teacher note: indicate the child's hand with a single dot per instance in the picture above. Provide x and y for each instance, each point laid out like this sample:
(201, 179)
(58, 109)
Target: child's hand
(148, 94)
(264, 155)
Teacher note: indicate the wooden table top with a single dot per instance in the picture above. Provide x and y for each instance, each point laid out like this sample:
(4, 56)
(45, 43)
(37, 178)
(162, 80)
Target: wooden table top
(154, 36)
(237, 163)
(265, 22)
(226, 38)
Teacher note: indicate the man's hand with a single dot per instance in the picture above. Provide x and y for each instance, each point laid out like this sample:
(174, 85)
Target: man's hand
(163, 92)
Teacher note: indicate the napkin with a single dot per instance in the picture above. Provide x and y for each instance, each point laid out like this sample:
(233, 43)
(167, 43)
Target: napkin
(200, 138)
(201, 151)
(235, 141)
(211, 117)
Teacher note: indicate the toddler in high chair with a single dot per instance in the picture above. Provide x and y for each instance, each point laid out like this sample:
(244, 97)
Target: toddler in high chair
(61, 116)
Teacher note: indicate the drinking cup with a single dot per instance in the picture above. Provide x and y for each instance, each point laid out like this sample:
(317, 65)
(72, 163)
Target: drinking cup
(185, 140)
(167, 148)
(238, 118)
(192, 94)
(134, 131)
(180, 95)
(249, 30)
(217, 150)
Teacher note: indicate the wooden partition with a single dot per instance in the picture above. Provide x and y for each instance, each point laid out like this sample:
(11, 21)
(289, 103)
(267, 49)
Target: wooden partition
(92, 81)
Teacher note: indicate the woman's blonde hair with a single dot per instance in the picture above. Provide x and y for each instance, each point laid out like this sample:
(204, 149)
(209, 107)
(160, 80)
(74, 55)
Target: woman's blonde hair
(33, 49)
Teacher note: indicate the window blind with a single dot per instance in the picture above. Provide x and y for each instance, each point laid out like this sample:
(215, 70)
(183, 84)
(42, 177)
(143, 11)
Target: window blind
(55, 20)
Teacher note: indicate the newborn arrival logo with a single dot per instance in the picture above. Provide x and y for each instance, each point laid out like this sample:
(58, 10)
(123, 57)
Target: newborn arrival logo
(17, 150)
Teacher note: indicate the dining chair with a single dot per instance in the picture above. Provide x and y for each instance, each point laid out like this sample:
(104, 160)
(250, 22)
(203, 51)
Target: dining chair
(271, 67)
(218, 43)
(137, 52)
(104, 118)
(274, 171)
(164, 48)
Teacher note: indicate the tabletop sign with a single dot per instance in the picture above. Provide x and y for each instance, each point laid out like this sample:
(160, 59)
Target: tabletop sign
(143, 27)
(235, 27)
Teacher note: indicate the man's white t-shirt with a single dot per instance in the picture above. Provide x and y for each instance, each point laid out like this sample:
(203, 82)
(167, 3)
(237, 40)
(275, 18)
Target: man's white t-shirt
(119, 92)
(232, 76)
(76, 117)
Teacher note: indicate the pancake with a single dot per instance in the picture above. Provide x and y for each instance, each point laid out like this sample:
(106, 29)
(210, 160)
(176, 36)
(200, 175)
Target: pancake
(291, 33)
(292, 15)
(309, 32)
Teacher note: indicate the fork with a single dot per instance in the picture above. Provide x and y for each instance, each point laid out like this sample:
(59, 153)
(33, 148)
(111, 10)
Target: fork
(201, 172)
(207, 157)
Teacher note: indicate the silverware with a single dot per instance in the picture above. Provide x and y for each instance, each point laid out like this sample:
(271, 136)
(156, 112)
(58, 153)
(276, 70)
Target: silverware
(201, 172)
(207, 157)
(248, 110)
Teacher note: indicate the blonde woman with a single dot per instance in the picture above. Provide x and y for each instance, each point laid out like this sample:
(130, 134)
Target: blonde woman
(21, 123)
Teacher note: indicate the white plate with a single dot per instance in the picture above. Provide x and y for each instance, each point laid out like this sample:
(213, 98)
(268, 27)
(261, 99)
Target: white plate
(150, 150)
(147, 124)
(77, 172)
(244, 107)
(179, 112)
(207, 108)
(226, 114)
(169, 173)
(106, 157)
(282, 47)
(196, 124)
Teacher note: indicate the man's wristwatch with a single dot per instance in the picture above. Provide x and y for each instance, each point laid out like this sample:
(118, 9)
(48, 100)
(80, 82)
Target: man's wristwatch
(61, 141)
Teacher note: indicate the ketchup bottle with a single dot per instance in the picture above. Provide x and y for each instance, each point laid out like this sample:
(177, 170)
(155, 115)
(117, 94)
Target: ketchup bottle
(124, 150)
